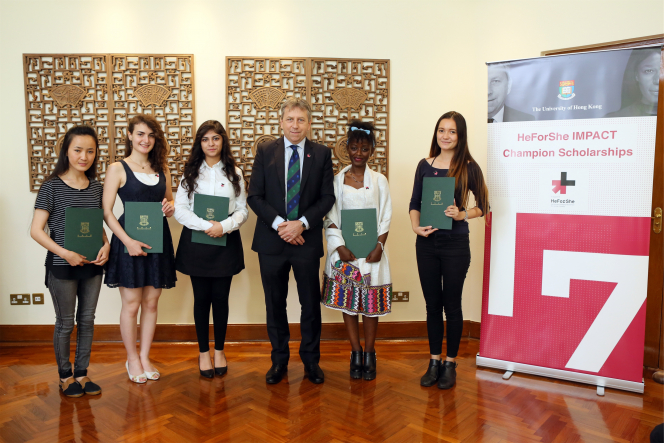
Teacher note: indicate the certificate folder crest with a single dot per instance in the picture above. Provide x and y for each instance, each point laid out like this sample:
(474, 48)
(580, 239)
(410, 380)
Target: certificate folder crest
(210, 208)
(144, 221)
(360, 230)
(84, 231)
(437, 195)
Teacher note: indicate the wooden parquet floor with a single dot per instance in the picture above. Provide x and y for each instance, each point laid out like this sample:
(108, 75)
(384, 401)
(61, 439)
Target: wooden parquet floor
(240, 407)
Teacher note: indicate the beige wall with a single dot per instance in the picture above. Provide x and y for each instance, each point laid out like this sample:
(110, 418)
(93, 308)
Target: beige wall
(437, 50)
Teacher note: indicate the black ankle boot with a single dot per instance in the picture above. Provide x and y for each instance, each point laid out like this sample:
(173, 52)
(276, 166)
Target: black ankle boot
(448, 375)
(356, 364)
(369, 370)
(431, 376)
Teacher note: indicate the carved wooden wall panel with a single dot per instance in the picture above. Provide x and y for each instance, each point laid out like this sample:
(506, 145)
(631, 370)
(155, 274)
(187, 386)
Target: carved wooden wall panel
(105, 91)
(162, 86)
(62, 91)
(337, 89)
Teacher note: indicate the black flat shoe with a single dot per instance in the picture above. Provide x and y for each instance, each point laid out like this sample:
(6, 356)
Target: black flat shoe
(220, 371)
(448, 375)
(314, 373)
(275, 374)
(369, 370)
(89, 386)
(356, 364)
(431, 376)
(207, 373)
(71, 388)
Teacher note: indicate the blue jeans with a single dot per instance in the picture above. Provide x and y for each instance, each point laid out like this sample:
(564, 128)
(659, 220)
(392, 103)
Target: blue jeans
(64, 294)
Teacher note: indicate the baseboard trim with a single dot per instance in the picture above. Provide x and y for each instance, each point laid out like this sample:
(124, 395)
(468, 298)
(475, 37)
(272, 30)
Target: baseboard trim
(236, 332)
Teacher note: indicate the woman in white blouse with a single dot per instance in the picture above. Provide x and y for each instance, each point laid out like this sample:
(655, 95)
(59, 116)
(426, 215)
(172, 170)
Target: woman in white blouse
(211, 170)
(359, 286)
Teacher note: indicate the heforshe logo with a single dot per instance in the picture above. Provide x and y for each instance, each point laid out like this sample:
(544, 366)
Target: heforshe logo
(566, 89)
(560, 186)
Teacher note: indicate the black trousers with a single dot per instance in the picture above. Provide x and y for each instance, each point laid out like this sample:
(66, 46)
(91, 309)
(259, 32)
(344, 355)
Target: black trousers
(275, 271)
(211, 291)
(443, 256)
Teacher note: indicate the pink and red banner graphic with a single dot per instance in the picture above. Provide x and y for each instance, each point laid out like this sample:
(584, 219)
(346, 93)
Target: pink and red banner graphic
(570, 169)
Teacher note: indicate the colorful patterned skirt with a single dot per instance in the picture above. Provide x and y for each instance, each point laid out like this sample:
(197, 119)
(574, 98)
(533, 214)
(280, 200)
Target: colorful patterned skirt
(349, 291)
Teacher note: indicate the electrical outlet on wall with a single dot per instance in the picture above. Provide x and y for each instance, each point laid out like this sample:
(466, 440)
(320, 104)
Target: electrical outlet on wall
(401, 296)
(19, 299)
(37, 299)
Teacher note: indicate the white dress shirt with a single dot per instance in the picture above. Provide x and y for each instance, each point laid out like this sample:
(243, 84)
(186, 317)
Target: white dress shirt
(288, 153)
(498, 118)
(212, 181)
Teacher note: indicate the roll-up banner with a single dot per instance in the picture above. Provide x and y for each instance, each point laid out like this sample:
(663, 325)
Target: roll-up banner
(571, 145)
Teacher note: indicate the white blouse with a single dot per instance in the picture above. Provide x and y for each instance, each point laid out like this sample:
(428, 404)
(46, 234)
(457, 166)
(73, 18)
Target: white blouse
(212, 181)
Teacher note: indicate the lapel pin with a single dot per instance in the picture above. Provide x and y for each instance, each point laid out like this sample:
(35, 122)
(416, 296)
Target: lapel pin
(435, 173)
(222, 185)
(308, 155)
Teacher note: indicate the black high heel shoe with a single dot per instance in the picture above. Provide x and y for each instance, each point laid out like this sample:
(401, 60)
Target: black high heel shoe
(369, 370)
(222, 369)
(356, 364)
(207, 373)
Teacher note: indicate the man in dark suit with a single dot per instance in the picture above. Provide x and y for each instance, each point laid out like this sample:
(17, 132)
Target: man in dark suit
(500, 85)
(291, 190)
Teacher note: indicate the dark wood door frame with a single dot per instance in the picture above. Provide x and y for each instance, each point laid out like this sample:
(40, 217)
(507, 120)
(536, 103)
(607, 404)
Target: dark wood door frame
(654, 340)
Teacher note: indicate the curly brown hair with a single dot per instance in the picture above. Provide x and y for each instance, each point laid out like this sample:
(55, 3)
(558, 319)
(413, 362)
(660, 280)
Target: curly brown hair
(157, 156)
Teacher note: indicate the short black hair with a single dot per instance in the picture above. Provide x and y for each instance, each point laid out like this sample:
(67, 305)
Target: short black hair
(356, 135)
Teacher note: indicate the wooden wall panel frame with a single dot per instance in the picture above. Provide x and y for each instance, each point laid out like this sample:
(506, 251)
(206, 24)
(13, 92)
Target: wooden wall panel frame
(654, 334)
(105, 91)
(338, 89)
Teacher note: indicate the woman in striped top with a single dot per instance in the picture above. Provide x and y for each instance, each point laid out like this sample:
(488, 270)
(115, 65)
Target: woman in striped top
(70, 275)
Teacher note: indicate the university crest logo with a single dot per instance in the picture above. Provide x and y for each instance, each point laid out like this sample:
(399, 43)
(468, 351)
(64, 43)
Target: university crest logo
(566, 89)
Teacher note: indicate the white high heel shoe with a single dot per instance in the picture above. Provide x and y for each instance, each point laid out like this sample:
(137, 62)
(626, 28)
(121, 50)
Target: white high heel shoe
(142, 378)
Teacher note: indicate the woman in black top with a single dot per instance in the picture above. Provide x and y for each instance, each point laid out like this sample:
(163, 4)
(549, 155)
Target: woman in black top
(443, 254)
(70, 275)
(211, 170)
(142, 176)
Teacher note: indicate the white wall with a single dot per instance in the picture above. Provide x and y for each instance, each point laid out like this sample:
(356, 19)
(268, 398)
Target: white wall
(437, 50)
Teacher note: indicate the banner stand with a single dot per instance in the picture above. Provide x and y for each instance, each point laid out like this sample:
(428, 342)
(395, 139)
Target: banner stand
(600, 382)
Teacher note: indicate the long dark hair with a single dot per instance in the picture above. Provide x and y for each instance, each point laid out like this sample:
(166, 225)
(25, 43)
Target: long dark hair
(460, 160)
(197, 157)
(62, 165)
(157, 156)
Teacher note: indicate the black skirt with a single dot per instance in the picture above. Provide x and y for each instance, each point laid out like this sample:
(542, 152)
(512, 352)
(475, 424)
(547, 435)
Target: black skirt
(200, 260)
(155, 270)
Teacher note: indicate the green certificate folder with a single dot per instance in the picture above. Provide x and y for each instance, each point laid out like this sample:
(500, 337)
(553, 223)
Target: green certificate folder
(144, 221)
(84, 231)
(360, 230)
(437, 195)
(210, 208)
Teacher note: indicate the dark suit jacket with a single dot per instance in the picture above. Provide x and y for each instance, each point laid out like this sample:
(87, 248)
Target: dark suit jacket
(512, 115)
(267, 195)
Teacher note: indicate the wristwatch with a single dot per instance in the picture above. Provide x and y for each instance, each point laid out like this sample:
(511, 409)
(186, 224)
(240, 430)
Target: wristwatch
(465, 217)
(304, 226)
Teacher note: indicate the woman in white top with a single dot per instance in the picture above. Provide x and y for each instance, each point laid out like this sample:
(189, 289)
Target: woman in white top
(359, 285)
(211, 170)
